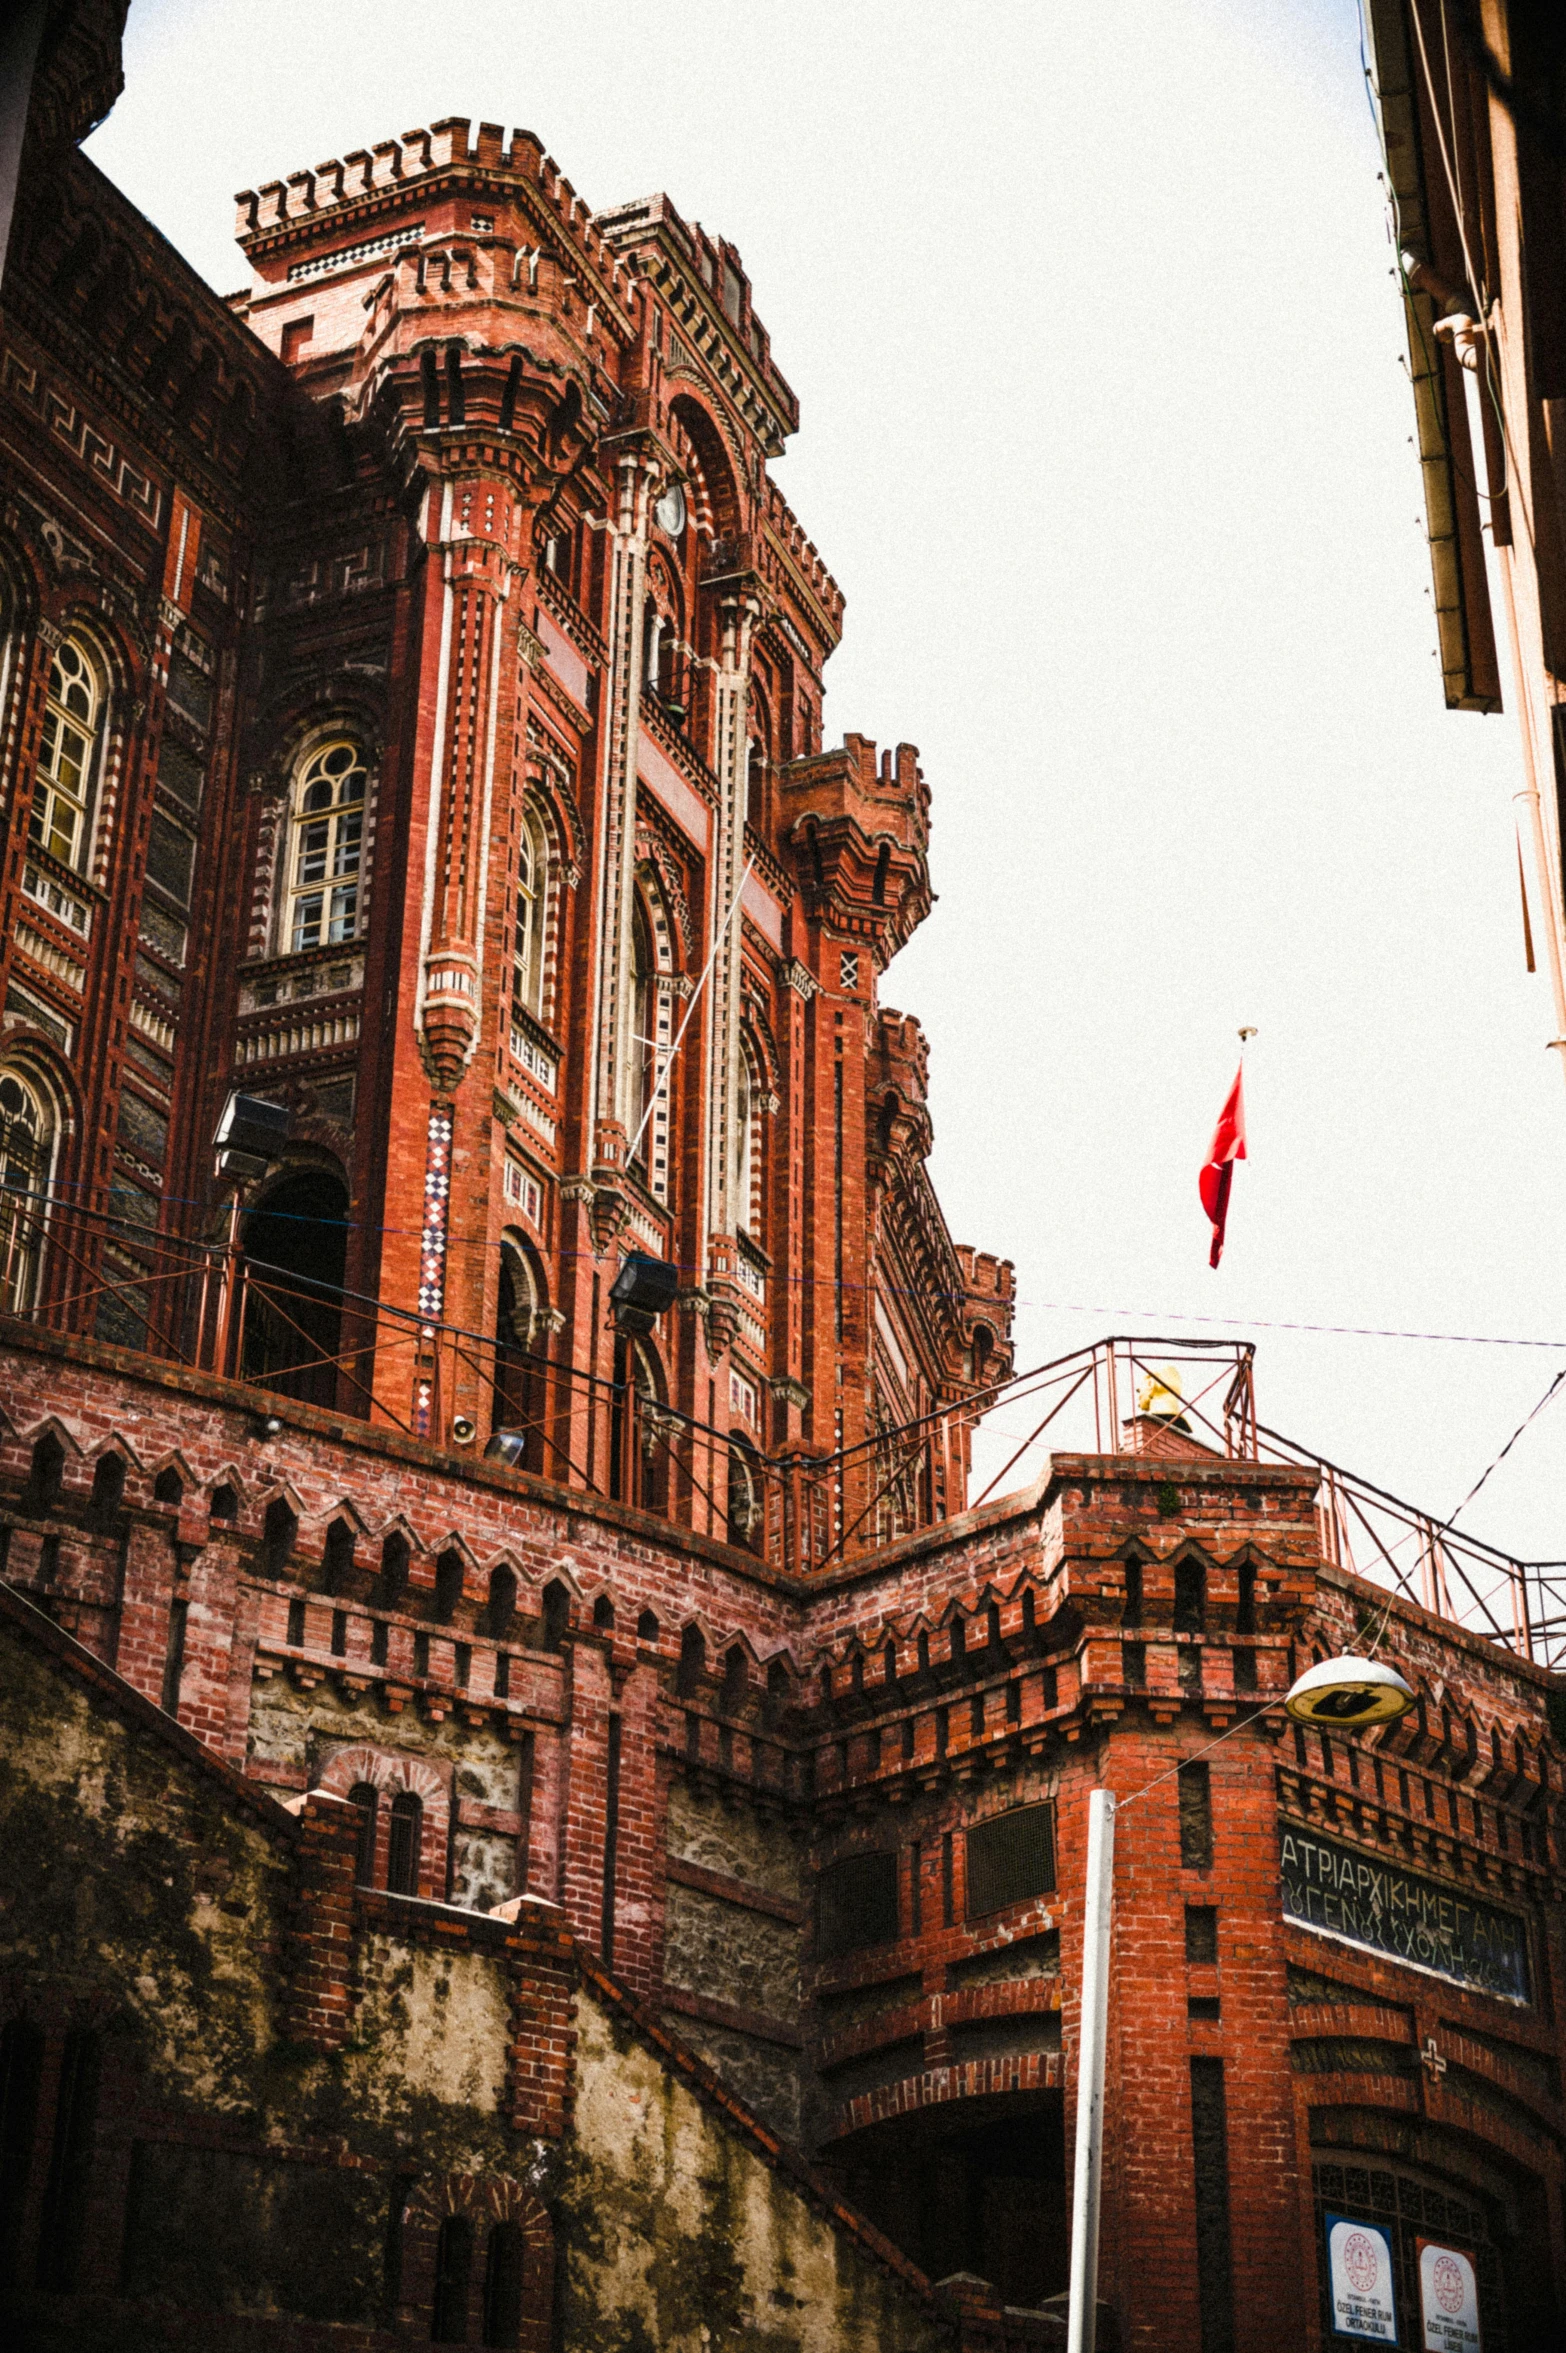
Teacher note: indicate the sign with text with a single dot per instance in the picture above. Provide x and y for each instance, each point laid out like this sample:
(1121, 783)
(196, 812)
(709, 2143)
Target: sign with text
(1396, 1914)
(1359, 2270)
(1448, 2300)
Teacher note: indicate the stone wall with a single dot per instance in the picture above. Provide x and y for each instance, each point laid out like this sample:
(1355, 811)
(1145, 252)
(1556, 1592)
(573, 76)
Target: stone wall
(247, 2102)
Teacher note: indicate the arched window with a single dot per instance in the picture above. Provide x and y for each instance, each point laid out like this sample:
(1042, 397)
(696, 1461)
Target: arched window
(521, 1338)
(402, 1847)
(73, 721)
(27, 1140)
(527, 956)
(21, 2075)
(453, 2270)
(744, 1498)
(755, 770)
(747, 1149)
(643, 1044)
(363, 1795)
(327, 847)
(503, 2273)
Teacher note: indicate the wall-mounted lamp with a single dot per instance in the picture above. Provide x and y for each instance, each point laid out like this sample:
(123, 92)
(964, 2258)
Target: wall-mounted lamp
(1349, 1691)
(250, 1135)
(643, 1289)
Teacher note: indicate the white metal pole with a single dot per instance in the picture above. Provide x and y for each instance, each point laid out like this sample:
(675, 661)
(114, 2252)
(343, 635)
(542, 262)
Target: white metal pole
(1097, 1910)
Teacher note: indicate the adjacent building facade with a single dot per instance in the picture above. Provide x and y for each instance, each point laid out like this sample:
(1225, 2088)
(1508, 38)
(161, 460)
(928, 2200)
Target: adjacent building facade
(632, 1882)
(1470, 96)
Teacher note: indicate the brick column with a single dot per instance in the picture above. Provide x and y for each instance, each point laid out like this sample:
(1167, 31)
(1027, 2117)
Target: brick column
(317, 1994)
(543, 2018)
(639, 1843)
(584, 1777)
(147, 1588)
(209, 1641)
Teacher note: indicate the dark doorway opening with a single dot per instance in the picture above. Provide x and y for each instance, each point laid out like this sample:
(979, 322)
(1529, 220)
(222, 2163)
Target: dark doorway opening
(296, 1249)
(982, 2190)
(520, 1334)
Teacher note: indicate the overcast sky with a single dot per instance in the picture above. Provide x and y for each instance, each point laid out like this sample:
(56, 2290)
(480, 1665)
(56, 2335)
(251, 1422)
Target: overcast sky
(1107, 438)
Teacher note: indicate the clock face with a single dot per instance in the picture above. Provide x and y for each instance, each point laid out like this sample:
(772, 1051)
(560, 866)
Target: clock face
(669, 513)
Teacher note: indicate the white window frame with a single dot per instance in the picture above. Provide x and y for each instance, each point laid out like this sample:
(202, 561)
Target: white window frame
(74, 708)
(323, 882)
(530, 934)
(22, 1243)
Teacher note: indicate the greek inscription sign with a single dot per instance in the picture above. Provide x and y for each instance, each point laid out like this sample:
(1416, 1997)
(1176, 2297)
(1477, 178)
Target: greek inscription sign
(1394, 1913)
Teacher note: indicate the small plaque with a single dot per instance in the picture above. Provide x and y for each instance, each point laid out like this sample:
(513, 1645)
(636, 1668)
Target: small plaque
(1359, 2272)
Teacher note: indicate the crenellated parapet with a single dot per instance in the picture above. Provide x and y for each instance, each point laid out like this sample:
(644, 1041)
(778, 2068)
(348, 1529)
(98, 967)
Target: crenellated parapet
(713, 329)
(366, 190)
(859, 829)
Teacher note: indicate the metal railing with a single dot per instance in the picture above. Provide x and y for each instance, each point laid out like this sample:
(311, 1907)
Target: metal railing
(209, 1306)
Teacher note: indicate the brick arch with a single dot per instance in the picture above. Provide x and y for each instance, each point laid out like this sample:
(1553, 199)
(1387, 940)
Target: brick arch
(1482, 2152)
(383, 1768)
(391, 1772)
(936, 2087)
(485, 2199)
(492, 2197)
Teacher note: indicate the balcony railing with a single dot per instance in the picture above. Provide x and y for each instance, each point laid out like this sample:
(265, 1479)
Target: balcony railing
(211, 1307)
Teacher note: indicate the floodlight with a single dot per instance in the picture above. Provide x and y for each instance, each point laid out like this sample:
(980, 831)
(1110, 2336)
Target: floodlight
(643, 1288)
(250, 1135)
(1349, 1692)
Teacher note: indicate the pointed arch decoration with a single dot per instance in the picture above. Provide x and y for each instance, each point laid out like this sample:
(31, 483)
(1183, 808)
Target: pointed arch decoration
(30, 1132)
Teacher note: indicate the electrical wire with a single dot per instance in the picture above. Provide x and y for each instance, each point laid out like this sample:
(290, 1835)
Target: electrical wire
(1506, 1449)
(1121, 1316)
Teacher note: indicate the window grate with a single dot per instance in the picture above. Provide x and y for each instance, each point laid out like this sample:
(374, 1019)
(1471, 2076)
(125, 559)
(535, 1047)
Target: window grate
(1010, 1858)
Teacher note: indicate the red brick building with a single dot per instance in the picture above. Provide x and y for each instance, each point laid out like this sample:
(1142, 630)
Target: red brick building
(411, 715)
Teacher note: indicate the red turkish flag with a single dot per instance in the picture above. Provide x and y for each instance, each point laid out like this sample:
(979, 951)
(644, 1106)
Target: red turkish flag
(1228, 1146)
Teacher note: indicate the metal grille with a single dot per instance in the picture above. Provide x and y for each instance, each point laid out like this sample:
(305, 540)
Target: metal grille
(1408, 2210)
(856, 1905)
(1010, 1857)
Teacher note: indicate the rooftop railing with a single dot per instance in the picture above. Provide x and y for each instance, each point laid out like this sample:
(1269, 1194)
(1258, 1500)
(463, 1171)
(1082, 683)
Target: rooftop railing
(210, 1307)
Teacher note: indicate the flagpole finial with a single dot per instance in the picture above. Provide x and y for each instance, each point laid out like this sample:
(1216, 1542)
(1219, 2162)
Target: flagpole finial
(1244, 1034)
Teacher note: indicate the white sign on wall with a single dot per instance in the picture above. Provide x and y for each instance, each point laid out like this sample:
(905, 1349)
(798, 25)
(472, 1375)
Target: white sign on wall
(1448, 2300)
(1359, 2268)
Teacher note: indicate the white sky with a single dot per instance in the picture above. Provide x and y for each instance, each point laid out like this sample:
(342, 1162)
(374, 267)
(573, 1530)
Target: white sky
(1107, 438)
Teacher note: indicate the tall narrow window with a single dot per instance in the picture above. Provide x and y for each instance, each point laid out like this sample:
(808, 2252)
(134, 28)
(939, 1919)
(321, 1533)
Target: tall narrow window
(363, 1795)
(27, 1133)
(453, 2270)
(327, 848)
(748, 1147)
(65, 2195)
(402, 1850)
(21, 2069)
(743, 1155)
(503, 2273)
(527, 958)
(643, 1044)
(73, 717)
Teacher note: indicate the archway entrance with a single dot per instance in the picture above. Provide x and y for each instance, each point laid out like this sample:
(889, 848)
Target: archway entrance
(520, 1397)
(296, 1247)
(973, 2185)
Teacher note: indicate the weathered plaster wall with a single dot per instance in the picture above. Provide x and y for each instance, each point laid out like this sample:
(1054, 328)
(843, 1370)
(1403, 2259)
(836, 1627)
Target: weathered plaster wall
(429, 2026)
(141, 1894)
(119, 1874)
(678, 2236)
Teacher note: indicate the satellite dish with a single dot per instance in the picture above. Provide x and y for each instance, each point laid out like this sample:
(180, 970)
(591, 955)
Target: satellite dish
(1348, 1693)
